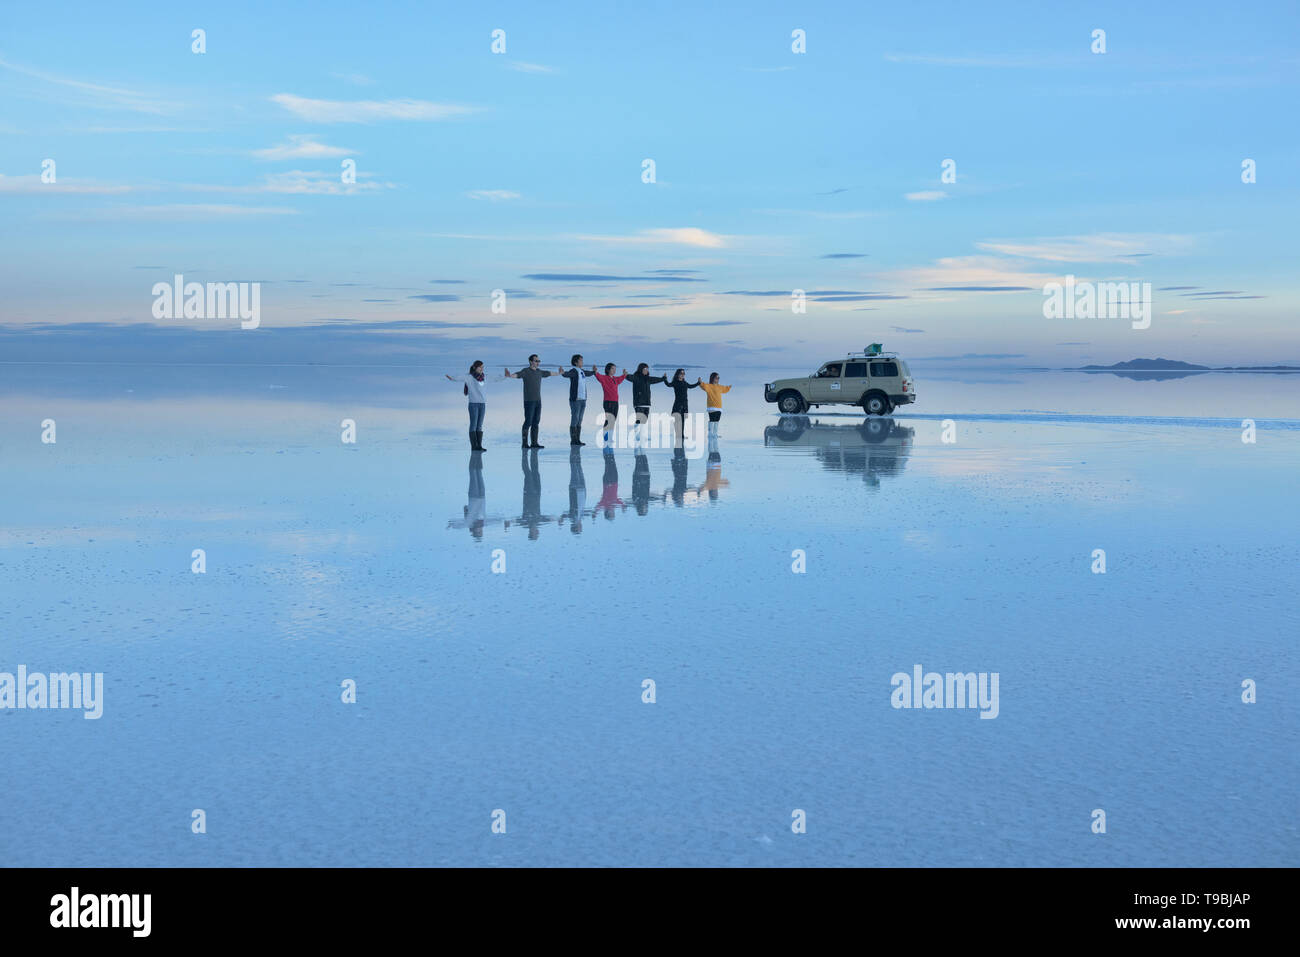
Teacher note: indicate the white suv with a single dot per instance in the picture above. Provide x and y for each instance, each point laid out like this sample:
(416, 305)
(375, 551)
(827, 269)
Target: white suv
(877, 381)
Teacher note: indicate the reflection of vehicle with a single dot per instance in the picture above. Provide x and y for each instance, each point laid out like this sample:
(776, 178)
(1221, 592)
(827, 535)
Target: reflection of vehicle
(877, 381)
(873, 447)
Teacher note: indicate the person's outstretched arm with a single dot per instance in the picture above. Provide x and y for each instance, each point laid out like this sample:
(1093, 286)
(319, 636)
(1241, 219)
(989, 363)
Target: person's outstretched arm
(725, 388)
(451, 378)
(658, 378)
(694, 385)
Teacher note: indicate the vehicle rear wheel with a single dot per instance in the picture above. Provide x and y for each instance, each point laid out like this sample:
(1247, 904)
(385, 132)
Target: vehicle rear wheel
(791, 403)
(876, 403)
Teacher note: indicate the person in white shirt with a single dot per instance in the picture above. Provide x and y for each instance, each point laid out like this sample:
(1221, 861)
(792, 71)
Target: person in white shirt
(474, 382)
(577, 377)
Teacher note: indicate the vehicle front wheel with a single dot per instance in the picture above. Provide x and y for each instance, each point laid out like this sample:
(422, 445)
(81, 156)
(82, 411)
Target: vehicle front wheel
(876, 403)
(791, 403)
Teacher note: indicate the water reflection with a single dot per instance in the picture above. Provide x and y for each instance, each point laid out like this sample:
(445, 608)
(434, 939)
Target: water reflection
(531, 513)
(475, 510)
(611, 503)
(874, 447)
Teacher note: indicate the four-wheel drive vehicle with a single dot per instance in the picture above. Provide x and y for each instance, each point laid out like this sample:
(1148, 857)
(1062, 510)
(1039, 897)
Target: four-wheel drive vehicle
(877, 381)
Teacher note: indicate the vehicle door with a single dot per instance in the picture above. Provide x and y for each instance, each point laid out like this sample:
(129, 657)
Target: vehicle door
(856, 380)
(827, 384)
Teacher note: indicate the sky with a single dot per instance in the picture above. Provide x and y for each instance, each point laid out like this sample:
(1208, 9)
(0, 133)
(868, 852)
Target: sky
(775, 171)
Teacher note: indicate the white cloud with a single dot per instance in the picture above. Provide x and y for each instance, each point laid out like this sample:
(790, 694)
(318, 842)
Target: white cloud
(682, 236)
(523, 67)
(179, 212)
(32, 184)
(301, 146)
(367, 111)
(494, 195)
(356, 79)
(305, 182)
(968, 271)
(926, 196)
(97, 95)
(1098, 247)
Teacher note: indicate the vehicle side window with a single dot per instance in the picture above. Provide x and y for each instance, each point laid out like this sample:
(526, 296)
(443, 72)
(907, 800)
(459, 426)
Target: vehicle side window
(829, 371)
(856, 370)
(884, 370)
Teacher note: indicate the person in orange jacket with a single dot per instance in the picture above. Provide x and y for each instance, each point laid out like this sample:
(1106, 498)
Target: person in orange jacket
(714, 390)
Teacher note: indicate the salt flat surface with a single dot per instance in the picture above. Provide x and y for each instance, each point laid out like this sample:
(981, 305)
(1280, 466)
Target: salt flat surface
(523, 690)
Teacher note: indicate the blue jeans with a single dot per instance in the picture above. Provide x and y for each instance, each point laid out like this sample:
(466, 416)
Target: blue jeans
(476, 416)
(577, 409)
(532, 413)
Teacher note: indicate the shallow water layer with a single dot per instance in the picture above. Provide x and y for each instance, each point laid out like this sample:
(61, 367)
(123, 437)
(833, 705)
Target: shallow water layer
(522, 688)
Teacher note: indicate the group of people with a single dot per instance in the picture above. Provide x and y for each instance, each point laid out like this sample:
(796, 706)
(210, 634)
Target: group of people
(533, 374)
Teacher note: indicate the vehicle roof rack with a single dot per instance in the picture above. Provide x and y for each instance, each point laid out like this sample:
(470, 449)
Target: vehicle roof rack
(872, 355)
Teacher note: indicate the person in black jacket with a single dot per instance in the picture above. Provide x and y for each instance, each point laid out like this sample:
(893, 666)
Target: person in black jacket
(641, 381)
(577, 398)
(681, 406)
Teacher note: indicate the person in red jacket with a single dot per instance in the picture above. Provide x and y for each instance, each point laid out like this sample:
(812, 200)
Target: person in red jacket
(610, 383)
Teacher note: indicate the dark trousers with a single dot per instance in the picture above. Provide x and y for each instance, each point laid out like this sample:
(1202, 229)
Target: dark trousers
(532, 413)
(714, 416)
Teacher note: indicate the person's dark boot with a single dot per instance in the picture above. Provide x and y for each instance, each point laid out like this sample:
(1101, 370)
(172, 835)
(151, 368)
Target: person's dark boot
(523, 434)
(473, 442)
(573, 436)
(535, 445)
(478, 442)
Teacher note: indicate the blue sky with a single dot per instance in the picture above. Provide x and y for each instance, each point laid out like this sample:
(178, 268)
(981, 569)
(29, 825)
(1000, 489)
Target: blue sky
(775, 171)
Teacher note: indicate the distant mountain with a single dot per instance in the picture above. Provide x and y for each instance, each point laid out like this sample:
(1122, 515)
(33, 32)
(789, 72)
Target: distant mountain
(1146, 368)
(1135, 365)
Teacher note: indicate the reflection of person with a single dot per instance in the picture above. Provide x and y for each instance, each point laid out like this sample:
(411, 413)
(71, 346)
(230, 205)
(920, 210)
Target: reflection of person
(609, 491)
(641, 381)
(678, 492)
(610, 383)
(713, 479)
(641, 484)
(681, 405)
(476, 508)
(532, 510)
(532, 376)
(577, 377)
(577, 493)
(474, 383)
(715, 392)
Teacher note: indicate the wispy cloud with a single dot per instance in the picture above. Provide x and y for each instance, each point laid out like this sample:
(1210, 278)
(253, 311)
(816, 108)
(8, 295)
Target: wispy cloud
(843, 256)
(1097, 247)
(367, 111)
(522, 67)
(303, 182)
(356, 79)
(970, 274)
(683, 236)
(179, 212)
(82, 93)
(926, 196)
(301, 146)
(32, 184)
(989, 60)
(493, 195)
(596, 277)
